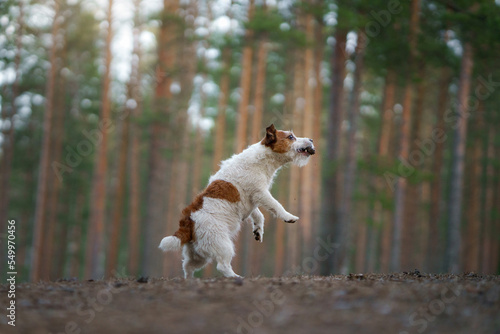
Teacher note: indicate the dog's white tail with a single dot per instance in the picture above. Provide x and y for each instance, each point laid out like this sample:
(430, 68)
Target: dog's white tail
(171, 243)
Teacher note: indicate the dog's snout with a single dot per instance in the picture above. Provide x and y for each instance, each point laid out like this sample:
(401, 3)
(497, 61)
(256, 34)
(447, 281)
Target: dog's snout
(312, 141)
(310, 150)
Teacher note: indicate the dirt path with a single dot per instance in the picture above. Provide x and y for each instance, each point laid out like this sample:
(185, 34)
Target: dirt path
(399, 303)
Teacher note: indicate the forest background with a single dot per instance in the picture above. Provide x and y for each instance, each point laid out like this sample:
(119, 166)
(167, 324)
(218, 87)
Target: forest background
(115, 113)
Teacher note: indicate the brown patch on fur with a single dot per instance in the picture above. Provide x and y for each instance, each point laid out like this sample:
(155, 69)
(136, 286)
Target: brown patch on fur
(217, 189)
(186, 230)
(277, 140)
(223, 190)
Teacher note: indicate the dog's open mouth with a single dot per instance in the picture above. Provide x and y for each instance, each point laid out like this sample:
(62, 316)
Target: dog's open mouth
(306, 150)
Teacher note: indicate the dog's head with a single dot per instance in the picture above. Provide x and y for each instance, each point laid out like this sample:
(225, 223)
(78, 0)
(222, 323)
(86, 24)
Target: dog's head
(295, 149)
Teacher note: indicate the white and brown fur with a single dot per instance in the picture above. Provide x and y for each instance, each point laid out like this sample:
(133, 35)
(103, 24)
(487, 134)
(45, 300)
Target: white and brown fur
(234, 194)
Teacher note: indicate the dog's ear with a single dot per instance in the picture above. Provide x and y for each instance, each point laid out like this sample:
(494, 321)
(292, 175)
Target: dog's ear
(270, 135)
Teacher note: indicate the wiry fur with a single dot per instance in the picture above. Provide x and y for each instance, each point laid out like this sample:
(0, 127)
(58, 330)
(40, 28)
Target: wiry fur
(218, 220)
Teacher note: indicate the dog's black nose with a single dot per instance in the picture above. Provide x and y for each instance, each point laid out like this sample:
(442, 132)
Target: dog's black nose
(312, 141)
(310, 150)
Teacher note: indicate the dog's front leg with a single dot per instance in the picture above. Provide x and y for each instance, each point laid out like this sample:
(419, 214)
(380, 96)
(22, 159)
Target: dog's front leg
(258, 224)
(266, 200)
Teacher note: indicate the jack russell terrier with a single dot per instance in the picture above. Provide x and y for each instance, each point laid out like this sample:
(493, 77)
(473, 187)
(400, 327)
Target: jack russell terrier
(233, 195)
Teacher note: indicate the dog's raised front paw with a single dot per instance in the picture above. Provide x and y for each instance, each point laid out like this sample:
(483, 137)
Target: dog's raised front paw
(291, 219)
(258, 234)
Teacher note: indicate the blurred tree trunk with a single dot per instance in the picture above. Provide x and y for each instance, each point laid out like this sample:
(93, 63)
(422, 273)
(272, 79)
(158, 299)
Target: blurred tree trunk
(471, 251)
(155, 212)
(293, 241)
(95, 236)
(198, 152)
(75, 245)
(220, 127)
(245, 86)
(360, 261)
(134, 154)
(489, 213)
(351, 158)
(23, 237)
(381, 216)
(284, 232)
(412, 197)
(44, 169)
(457, 168)
(119, 200)
(318, 112)
(259, 89)
(241, 126)
(495, 243)
(53, 203)
(257, 132)
(61, 250)
(404, 150)
(279, 236)
(331, 170)
(307, 191)
(434, 240)
(179, 150)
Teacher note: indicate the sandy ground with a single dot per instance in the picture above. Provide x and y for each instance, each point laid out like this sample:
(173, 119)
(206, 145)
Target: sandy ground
(371, 303)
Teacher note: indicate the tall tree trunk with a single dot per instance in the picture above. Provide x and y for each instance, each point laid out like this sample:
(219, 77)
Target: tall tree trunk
(178, 152)
(134, 154)
(412, 196)
(22, 238)
(350, 159)
(198, 152)
(488, 230)
(259, 88)
(293, 241)
(307, 191)
(404, 150)
(241, 126)
(220, 127)
(44, 167)
(119, 200)
(245, 83)
(95, 236)
(331, 196)
(361, 246)
(51, 252)
(318, 112)
(75, 249)
(471, 259)
(433, 237)
(495, 243)
(457, 169)
(279, 236)
(61, 248)
(155, 220)
(256, 132)
(381, 216)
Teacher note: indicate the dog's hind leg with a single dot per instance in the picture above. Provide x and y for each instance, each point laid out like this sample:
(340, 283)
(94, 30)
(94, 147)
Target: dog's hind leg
(223, 255)
(225, 268)
(191, 261)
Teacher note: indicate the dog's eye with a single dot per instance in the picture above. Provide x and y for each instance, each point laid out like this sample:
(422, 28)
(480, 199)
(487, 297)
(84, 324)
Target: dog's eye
(291, 137)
